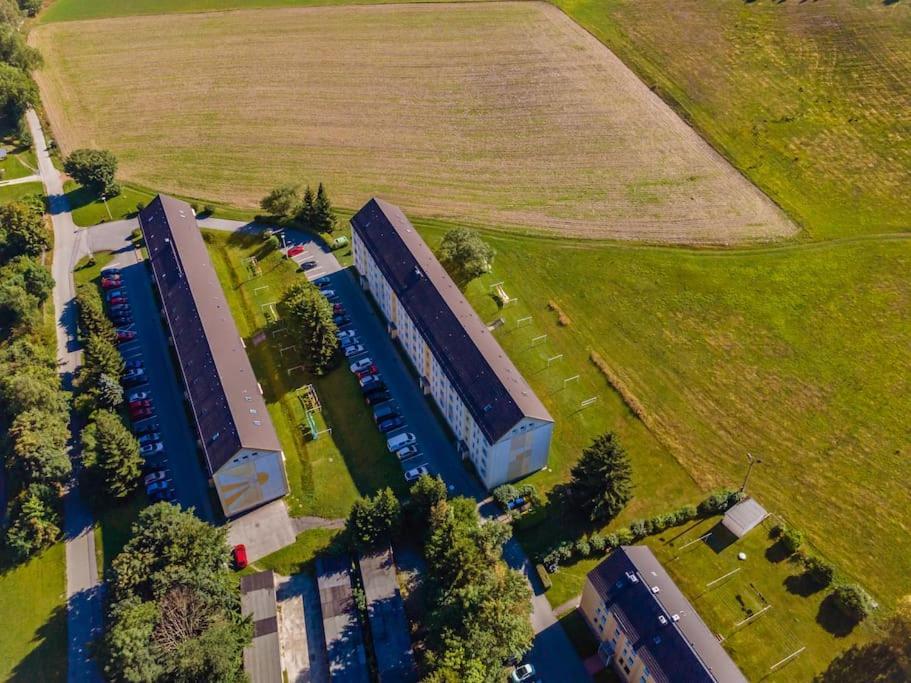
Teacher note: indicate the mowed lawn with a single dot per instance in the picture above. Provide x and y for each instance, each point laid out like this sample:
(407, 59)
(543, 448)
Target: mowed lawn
(504, 114)
(812, 100)
(328, 474)
(799, 355)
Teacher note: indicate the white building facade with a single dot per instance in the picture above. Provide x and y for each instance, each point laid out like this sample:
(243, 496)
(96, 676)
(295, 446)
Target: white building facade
(499, 424)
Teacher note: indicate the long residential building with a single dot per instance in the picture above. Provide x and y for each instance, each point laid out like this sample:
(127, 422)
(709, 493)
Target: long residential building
(242, 451)
(499, 422)
(649, 632)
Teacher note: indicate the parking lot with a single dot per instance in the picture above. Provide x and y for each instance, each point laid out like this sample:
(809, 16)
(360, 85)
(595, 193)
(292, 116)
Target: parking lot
(150, 347)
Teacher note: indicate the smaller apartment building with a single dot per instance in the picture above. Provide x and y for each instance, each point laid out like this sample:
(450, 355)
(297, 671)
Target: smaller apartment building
(499, 422)
(649, 632)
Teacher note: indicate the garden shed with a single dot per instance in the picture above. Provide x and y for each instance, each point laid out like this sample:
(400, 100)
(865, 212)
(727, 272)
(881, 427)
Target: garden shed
(744, 517)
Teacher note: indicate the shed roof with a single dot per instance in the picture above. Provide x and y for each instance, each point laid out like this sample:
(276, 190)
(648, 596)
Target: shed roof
(665, 629)
(494, 391)
(262, 658)
(743, 517)
(229, 409)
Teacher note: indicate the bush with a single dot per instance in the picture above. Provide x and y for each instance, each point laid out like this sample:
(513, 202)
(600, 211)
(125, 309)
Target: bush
(611, 541)
(504, 494)
(776, 531)
(638, 529)
(820, 572)
(853, 601)
(583, 547)
(791, 540)
(544, 576)
(597, 542)
(624, 537)
(208, 209)
(687, 513)
(719, 502)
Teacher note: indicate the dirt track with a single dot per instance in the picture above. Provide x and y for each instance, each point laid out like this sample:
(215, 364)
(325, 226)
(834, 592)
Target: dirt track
(502, 114)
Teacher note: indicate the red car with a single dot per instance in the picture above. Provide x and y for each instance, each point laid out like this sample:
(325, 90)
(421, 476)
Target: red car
(240, 556)
(125, 336)
(144, 403)
(338, 309)
(295, 250)
(141, 414)
(116, 300)
(371, 370)
(110, 283)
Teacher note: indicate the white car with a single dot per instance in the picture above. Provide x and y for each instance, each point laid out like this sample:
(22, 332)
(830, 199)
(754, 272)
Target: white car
(355, 350)
(522, 673)
(139, 396)
(369, 381)
(328, 293)
(160, 475)
(416, 473)
(399, 441)
(362, 364)
(407, 452)
(151, 449)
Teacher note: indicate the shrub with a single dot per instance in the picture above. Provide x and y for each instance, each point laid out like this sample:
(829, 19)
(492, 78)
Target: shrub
(140, 206)
(583, 547)
(597, 542)
(687, 513)
(719, 502)
(853, 601)
(638, 529)
(544, 576)
(820, 572)
(208, 209)
(611, 541)
(504, 494)
(624, 537)
(776, 531)
(791, 539)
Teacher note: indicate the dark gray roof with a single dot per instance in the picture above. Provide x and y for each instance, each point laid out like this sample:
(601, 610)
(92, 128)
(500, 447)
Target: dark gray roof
(495, 393)
(341, 628)
(674, 650)
(386, 613)
(262, 658)
(229, 409)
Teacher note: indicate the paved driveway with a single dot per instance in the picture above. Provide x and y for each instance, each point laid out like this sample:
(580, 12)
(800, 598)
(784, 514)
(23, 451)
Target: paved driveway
(151, 345)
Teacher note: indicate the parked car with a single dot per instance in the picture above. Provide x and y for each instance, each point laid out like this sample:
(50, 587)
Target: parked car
(407, 452)
(119, 300)
(341, 320)
(111, 293)
(119, 308)
(362, 364)
(374, 388)
(384, 413)
(110, 272)
(151, 428)
(125, 336)
(141, 414)
(308, 265)
(378, 397)
(162, 495)
(355, 350)
(348, 341)
(391, 424)
(110, 283)
(338, 309)
(140, 403)
(151, 448)
(398, 441)
(343, 334)
(149, 437)
(157, 475)
(372, 370)
(160, 485)
(322, 282)
(416, 473)
(139, 396)
(295, 250)
(526, 672)
(133, 375)
(122, 321)
(135, 364)
(239, 553)
(369, 380)
(155, 463)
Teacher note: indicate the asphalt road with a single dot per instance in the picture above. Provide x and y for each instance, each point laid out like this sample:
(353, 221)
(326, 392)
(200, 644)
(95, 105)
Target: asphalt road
(151, 346)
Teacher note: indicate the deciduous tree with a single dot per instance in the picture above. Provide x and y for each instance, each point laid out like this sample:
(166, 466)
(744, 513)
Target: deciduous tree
(23, 230)
(601, 480)
(38, 446)
(465, 254)
(372, 519)
(94, 169)
(17, 91)
(282, 202)
(34, 523)
(309, 315)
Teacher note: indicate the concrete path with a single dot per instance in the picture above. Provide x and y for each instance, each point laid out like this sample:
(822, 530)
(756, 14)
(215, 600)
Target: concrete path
(83, 588)
(21, 181)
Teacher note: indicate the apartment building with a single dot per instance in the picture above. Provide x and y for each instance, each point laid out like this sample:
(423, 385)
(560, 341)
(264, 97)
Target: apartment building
(499, 422)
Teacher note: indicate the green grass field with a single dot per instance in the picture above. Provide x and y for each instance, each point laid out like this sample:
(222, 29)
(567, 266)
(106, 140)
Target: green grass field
(12, 193)
(297, 557)
(33, 606)
(326, 475)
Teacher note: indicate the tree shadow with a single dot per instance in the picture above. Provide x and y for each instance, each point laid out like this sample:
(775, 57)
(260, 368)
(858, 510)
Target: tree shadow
(80, 196)
(777, 552)
(870, 662)
(47, 661)
(802, 585)
(890, 2)
(832, 619)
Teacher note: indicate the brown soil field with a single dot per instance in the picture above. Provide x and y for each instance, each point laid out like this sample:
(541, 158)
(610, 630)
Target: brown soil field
(500, 114)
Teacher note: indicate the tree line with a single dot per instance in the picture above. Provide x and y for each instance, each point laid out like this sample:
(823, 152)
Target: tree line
(309, 211)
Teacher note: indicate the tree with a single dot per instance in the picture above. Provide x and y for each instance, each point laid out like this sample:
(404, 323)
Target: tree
(283, 202)
(32, 387)
(109, 391)
(128, 650)
(17, 91)
(307, 212)
(102, 357)
(309, 315)
(34, 523)
(31, 7)
(38, 446)
(465, 254)
(95, 169)
(373, 519)
(92, 318)
(853, 601)
(111, 453)
(819, 571)
(426, 492)
(15, 51)
(791, 540)
(23, 230)
(323, 217)
(601, 481)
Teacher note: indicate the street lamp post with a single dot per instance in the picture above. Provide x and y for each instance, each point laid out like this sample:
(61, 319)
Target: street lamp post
(753, 461)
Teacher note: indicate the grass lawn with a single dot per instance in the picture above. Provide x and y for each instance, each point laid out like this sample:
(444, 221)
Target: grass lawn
(11, 193)
(33, 609)
(89, 210)
(20, 160)
(787, 353)
(297, 557)
(580, 147)
(113, 528)
(808, 99)
(328, 474)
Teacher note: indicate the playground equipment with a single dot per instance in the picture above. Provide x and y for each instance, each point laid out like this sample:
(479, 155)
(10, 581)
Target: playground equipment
(501, 294)
(312, 407)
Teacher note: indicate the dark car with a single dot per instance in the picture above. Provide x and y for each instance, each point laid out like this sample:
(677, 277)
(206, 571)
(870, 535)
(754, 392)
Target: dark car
(134, 377)
(111, 283)
(154, 463)
(391, 423)
(377, 397)
(374, 387)
(308, 265)
(166, 495)
(119, 300)
(338, 309)
(120, 308)
(122, 320)
(341, 320)
(150, 428)
(110, 272)
(133, 364)
(385, 413)
(322, 282)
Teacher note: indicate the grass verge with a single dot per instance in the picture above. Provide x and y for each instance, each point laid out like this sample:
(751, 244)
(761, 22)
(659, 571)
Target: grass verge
(297, 557)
